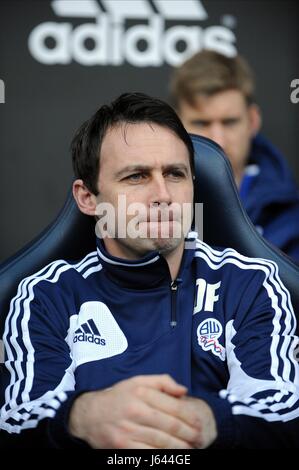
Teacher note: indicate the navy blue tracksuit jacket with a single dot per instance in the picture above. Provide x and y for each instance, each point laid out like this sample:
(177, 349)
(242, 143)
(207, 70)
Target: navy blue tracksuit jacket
(225, 328)
(270, 197)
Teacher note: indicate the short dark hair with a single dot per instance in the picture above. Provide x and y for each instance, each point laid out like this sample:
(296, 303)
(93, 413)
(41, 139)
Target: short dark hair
(127, 108)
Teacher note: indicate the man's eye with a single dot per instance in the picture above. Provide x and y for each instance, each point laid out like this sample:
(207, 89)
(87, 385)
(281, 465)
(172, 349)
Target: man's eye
(176, 174)
(200, 123)
(135, 177)
(230, 122)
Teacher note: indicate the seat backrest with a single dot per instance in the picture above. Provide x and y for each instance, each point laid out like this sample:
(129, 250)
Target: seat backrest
(71, 235)
(225, 222)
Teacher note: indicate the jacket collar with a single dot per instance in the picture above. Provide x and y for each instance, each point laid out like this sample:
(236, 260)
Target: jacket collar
(147, 272)
(270, 171)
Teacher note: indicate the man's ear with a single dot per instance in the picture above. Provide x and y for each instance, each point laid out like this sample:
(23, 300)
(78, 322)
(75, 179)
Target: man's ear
(255, 118)
(85, 199)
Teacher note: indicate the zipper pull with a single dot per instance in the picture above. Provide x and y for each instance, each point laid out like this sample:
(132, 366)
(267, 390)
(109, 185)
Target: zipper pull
(174, 288)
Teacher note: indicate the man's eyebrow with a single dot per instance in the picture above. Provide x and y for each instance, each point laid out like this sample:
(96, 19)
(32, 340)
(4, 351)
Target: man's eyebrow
(147, 168)
(207, 122)
(176, 166)
(200, 121)
(132, 168)
(232, 118)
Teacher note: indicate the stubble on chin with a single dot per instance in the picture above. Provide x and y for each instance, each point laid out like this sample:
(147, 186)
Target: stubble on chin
(162, 245)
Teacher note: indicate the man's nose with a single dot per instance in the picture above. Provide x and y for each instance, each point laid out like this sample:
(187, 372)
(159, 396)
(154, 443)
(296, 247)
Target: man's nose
(159, 191)
(217, 134)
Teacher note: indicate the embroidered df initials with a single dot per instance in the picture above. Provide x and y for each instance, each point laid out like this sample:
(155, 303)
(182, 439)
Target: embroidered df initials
(205, 296)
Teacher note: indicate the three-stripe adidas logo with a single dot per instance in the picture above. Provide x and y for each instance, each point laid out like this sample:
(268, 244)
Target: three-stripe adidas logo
(88, 332)
(133, 9)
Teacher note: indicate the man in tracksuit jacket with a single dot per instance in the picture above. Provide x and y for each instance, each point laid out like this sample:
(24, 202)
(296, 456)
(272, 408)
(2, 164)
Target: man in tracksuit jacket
(215, 97)
(150, 341)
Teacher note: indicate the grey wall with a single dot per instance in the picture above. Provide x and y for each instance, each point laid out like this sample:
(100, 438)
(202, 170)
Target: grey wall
(45, 103)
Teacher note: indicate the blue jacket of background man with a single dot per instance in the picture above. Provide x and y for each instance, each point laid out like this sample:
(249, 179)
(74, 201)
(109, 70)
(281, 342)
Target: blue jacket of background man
(270, 197)
(225, 329)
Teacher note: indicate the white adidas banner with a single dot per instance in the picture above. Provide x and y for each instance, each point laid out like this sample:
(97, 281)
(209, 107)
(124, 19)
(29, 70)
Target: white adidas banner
(105, 25)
